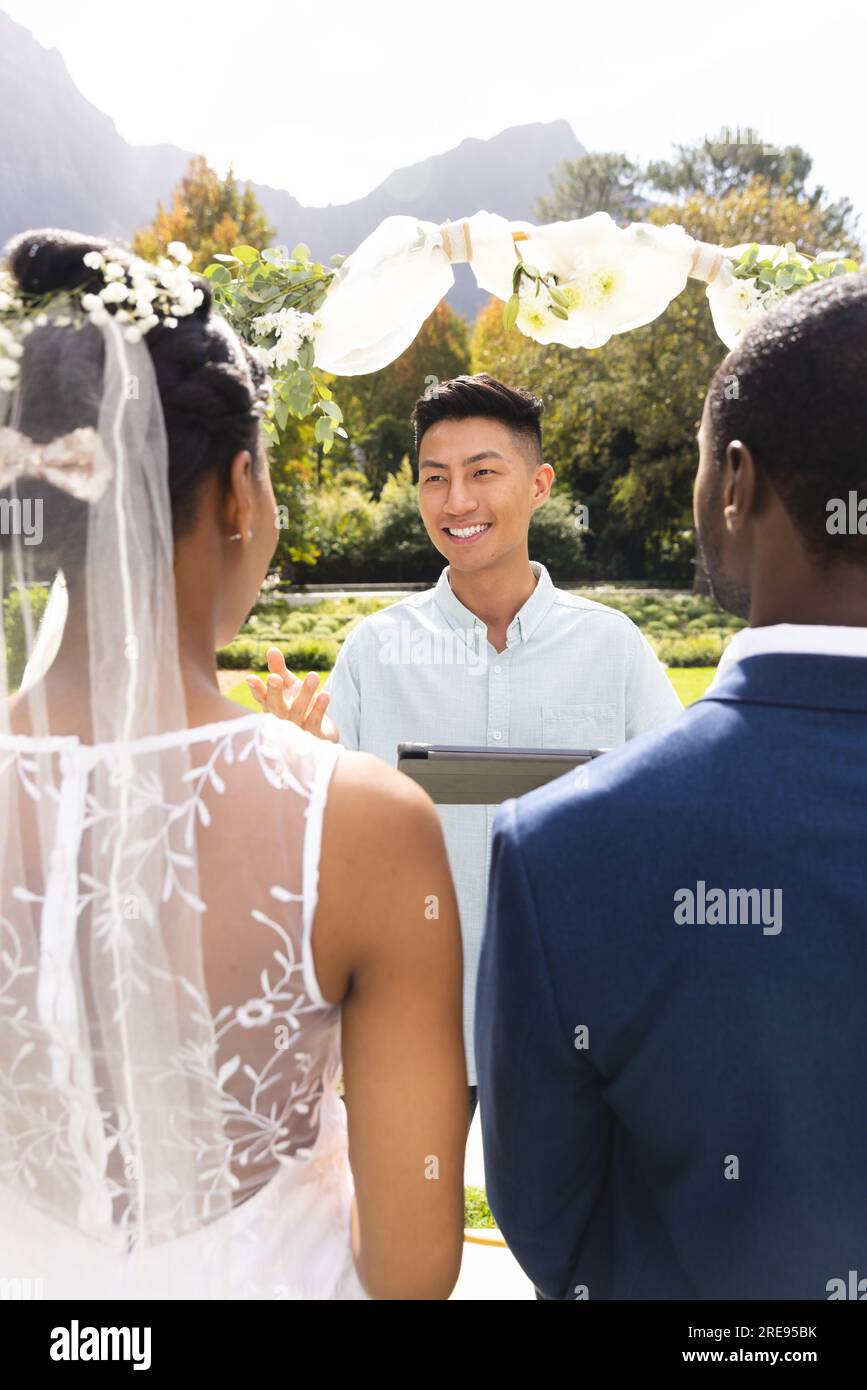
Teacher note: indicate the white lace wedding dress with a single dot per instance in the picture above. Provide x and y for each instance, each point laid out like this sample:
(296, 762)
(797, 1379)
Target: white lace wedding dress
(261, 1033)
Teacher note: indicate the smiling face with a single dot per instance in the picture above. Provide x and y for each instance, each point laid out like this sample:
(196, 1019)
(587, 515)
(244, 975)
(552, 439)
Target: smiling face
(478, 487)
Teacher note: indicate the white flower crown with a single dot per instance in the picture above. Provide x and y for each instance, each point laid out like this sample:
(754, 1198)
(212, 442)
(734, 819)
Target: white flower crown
(139, 295)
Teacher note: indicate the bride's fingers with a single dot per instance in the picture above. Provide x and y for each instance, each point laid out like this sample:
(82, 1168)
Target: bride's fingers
(257, 688)
(277, 666)
(277, 699)
(314, 722)
(304, 695)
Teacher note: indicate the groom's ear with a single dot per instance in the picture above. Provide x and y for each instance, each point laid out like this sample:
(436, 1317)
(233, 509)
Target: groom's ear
(740, 486)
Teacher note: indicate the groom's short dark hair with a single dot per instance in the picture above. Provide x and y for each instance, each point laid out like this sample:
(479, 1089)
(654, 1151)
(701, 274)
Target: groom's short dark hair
(794, 391)
(467, 396)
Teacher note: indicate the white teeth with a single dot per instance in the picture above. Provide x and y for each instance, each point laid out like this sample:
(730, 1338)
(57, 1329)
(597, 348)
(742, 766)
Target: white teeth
(467, 530)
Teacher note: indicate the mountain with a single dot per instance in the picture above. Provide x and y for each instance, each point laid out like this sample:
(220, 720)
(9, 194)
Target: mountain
(64, 164)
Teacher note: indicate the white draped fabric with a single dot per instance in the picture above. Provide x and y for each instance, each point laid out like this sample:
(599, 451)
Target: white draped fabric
(616, 279)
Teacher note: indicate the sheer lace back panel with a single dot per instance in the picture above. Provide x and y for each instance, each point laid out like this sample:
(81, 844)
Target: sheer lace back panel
(259, 1040)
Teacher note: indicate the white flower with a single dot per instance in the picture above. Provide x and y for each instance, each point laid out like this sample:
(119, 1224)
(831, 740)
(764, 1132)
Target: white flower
(735, 305)
(114, 271)
(93, 260)
(6, 301)
(534, 308)
(8, 343)
(115, 293)
(89, 302)
(291, 328)
(132, 334)
(170, 321)
(180, 252)
(613, 279)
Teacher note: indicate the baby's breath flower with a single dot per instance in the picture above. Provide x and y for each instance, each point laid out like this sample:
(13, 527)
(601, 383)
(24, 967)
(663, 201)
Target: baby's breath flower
(93, 260)
(114, 293)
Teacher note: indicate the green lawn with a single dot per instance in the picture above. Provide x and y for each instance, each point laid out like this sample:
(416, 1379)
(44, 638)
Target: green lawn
(691, 682)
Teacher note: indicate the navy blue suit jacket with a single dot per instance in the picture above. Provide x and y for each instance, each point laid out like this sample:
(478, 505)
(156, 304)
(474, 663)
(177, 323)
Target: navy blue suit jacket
(707, 1136)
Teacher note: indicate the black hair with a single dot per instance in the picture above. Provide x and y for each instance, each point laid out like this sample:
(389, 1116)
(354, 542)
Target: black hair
(467, 396)
(794, 391)
(212, 389)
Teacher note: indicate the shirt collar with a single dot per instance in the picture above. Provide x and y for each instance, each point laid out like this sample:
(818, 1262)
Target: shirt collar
(810, 638)
(525, 621)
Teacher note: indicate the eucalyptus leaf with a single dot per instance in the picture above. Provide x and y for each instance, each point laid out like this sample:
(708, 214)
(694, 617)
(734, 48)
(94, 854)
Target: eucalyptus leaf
(510, 311)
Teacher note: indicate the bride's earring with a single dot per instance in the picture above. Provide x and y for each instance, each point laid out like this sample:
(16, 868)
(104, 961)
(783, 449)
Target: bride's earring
(237, 536)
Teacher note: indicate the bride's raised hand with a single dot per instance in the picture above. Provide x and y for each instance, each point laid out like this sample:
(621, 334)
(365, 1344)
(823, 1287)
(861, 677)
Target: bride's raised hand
(287, 696)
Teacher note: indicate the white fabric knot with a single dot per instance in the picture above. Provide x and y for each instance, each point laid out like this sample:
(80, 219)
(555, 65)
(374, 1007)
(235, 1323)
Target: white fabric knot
(457, 242)
(706, 262)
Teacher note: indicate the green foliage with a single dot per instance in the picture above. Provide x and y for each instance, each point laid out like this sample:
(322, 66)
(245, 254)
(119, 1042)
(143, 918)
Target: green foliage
(556, 539)
(690, 651)
(308, 653)
(252, 288)
(777, 277)
(208, 214)
(477, 1213)
(399, 532)
(683, 629)
(593, 183)
(14, 632)
(377, 406)
(620, 422)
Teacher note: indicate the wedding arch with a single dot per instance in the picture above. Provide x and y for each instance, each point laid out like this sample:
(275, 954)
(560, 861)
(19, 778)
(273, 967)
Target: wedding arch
(576, 283)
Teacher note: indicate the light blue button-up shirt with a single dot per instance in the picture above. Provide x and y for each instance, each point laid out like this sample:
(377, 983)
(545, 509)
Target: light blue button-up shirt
(574, 674)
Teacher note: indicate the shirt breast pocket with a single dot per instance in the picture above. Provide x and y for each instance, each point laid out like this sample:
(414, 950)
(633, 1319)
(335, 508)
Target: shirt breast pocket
(579, 725)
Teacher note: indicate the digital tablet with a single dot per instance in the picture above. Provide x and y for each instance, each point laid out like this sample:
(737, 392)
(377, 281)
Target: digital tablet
(459, 776)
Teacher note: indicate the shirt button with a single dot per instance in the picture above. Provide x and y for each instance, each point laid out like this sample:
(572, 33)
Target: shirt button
(498, 669)
(496, 734)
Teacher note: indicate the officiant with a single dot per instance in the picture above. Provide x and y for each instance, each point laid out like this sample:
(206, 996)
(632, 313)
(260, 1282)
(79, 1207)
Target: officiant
(494, 655)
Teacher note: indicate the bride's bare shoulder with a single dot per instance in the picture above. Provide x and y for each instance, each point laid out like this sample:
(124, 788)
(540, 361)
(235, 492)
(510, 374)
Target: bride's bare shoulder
(382, 846)
(364, 786)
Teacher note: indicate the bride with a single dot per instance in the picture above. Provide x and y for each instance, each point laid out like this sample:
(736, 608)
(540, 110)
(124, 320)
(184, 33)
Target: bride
(207, 917)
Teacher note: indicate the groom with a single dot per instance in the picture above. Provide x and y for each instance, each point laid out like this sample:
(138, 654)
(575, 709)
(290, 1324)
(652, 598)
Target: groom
(671, 1029)
(493, 655)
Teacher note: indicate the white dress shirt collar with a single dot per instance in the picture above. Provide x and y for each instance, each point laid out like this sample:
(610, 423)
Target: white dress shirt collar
(525, 621)
(807, 638)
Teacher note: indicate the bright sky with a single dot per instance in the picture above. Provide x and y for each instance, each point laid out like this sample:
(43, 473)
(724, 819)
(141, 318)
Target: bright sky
(327, 106)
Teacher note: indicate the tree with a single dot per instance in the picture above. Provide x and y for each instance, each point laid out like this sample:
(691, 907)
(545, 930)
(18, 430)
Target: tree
(209, 214)
(376, 407)
(715, 169)
(594, 183)
(620, 421)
